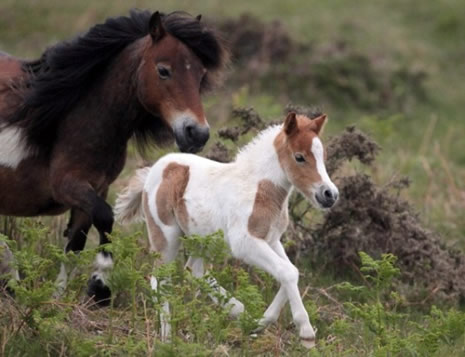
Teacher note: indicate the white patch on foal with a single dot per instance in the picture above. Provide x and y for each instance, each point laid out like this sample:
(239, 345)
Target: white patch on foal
(12, 147)
(318, 153)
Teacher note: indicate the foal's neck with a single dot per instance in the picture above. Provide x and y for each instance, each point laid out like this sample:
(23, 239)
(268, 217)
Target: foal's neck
(259, 160)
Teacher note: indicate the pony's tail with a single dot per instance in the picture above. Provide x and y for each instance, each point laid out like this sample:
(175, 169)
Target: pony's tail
(129, 202)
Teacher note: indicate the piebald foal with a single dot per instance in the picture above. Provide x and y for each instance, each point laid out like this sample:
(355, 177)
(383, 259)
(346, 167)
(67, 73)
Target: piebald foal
(183, 194)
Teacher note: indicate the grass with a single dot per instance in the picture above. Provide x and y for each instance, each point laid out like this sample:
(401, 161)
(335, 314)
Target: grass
(423, 140)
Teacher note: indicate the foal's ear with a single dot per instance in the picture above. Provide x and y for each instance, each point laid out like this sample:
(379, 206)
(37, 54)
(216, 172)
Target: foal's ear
(156, 28)
(290, 124)
(198, 17)
(320, 123)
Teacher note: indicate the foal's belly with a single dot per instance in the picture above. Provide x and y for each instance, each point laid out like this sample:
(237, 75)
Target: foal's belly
(25, 191)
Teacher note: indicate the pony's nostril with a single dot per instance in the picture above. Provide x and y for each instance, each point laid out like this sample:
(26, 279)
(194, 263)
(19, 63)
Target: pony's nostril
(328, 194)
(197, 135)
(190, 131)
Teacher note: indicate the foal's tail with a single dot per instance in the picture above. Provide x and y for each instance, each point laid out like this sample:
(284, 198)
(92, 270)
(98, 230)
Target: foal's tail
(129, 202)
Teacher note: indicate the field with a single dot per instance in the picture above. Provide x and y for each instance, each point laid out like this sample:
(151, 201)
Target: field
(381, 275)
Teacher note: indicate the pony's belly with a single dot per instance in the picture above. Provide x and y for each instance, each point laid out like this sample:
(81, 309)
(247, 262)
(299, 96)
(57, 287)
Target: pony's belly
(25, 191)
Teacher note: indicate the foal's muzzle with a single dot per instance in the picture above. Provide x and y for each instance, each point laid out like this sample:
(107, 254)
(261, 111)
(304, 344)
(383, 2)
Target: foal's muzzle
(190, 136)
(327, 196)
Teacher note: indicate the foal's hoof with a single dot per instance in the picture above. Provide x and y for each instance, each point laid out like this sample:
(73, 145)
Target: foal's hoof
(259, 329)
(97, 289)
(308, 342)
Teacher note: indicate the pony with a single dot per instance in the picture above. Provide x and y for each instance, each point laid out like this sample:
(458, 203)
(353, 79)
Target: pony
(66, 118)
(184, 194)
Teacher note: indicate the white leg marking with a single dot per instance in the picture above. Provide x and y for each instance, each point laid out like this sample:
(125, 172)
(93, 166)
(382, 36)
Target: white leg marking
(103, 264)
(12, 147)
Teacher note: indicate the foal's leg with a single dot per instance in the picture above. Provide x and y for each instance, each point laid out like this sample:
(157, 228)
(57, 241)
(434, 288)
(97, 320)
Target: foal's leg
(273, 311)
(164, 240)
(260, 254)
(197, 267)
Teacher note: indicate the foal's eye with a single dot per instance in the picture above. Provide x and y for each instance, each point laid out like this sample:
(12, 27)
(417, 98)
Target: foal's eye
(299, 157)
(163, 72)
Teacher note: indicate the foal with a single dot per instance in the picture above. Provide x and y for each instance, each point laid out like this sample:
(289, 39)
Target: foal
(183, 194)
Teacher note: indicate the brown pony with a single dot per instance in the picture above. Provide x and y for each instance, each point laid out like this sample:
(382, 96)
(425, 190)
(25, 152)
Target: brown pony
(66, 118)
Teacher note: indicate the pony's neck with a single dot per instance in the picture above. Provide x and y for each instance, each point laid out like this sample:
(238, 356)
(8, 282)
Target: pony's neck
(259, 159)
(118, 91)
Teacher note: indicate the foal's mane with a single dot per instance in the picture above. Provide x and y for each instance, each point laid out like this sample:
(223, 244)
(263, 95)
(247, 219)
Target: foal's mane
(67, 70)
(262, 140)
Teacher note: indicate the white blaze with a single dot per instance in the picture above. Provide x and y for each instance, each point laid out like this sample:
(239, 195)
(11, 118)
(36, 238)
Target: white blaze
(318, 153)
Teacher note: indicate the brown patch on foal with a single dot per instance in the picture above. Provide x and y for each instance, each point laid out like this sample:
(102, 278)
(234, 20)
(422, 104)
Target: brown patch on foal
(296, 137)
(267, 208)
(170, 195)
(156, 237)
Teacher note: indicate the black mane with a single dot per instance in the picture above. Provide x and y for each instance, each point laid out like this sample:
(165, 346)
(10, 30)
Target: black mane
(66, 71)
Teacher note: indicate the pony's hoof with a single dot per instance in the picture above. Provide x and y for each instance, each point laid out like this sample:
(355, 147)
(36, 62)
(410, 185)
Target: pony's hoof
(308, 342)
(97, 289)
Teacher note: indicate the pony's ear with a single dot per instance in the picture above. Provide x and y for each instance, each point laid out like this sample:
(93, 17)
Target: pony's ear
(290, 124)
(156, 28)
(320, 123)
(198, 17)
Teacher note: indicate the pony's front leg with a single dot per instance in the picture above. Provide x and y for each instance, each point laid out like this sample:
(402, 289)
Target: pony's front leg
(257, 252)
(87, 208)
(103, 264)
(196, 266)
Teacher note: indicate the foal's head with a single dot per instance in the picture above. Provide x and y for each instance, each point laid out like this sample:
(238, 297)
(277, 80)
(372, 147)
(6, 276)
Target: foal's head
(179, 57)
(301, 156)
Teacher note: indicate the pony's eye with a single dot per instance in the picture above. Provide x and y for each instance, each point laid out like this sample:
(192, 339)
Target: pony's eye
(163, 72)
(299, 157)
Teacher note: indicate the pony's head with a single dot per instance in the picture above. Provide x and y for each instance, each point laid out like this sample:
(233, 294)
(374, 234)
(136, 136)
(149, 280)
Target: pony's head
(301, 156)
(179, 58)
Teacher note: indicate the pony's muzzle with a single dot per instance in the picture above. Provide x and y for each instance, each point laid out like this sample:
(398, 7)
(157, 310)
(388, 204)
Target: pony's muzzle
(197, 135)
(326, 196)
(191, 136)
